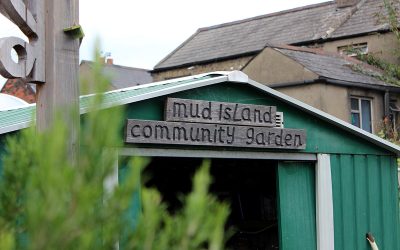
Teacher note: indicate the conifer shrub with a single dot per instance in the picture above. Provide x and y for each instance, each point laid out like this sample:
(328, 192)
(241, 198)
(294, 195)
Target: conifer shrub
(48, 201)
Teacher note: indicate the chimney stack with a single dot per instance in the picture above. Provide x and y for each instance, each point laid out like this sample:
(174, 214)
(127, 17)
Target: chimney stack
(110, 61)
(346, 3)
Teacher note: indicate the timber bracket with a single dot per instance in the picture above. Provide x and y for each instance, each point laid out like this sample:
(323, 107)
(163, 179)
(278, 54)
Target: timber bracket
(75, 32)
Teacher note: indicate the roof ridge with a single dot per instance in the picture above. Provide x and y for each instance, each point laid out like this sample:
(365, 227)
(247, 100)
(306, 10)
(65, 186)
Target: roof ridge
(310, 6)
(116, 65)
(126, 67)
(353, 9)
(176, 49)
(296, 48)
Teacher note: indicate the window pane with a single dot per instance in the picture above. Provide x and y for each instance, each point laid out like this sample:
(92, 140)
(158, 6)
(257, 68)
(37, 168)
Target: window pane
(355, 119)
(354, 104)
(366, 115)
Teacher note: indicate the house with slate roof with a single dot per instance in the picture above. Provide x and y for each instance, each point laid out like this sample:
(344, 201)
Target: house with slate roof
(337, 84)
(314, 68)
(120, 76)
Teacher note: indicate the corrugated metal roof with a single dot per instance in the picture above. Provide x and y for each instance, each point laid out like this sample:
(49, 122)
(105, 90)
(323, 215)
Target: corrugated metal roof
(15, 119)
(12, 120)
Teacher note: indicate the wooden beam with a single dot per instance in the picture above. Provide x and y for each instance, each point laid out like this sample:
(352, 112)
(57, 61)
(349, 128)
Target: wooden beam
(214, 153)
(61, 89)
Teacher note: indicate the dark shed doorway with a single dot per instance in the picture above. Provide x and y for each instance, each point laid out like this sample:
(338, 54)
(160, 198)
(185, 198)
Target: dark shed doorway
(248, 185)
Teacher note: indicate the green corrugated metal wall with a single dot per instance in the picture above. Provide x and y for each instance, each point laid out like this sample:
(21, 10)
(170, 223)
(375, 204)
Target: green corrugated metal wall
(364, 195)
(296, 206)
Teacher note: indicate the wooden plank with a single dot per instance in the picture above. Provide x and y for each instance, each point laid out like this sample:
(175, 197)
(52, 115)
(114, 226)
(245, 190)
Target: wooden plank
(161, 132)
(212, 153)
(185, 110)
(62, 64)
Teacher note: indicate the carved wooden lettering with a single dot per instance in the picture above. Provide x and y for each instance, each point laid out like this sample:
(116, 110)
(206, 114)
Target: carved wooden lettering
(226, 135)
(31, 56)
(219, 112)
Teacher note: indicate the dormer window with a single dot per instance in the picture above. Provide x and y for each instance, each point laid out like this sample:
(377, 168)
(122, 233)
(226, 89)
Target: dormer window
(353, 49)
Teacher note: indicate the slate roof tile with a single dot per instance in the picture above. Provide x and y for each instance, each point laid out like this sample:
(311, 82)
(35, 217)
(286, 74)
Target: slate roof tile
(333, 65)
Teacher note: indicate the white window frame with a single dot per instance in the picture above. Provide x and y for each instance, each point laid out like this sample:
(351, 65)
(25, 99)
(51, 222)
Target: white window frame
(359, 111)
(362, 47)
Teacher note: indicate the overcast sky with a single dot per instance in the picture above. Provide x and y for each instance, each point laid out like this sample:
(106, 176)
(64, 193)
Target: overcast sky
(141, 33)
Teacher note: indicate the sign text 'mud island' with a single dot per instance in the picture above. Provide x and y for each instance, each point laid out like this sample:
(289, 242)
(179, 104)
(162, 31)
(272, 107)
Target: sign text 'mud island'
(194, 122)
(219, 112)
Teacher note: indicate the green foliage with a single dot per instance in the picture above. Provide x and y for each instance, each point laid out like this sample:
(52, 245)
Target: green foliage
(391, 71)
(48, 201)
(388, 132)
(392, 17)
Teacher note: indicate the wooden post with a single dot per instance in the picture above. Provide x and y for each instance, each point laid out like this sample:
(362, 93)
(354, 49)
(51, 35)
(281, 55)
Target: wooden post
(50, 58)
(61, 89)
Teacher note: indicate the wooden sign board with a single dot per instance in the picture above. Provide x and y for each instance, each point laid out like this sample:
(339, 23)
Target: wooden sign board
(183, 110)
(227, 135)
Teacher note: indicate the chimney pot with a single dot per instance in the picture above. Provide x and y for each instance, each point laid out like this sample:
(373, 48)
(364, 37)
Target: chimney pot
(110, 61)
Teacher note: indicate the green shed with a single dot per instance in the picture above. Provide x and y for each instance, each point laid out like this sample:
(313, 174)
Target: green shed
(296, 177)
